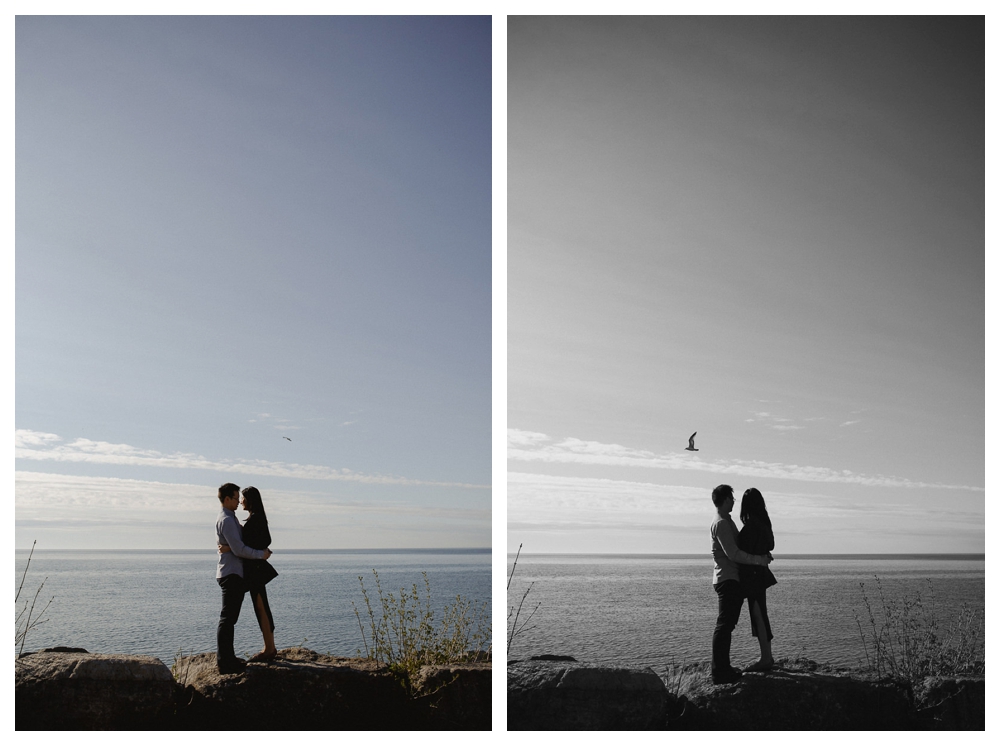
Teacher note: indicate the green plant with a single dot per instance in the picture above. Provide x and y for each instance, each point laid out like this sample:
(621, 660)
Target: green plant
(907, 642)
(403, 635)
(26, 619)
(181, 665)
(513, 629)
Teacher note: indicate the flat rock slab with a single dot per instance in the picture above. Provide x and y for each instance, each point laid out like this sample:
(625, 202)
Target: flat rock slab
(799, 700)
(567, 695)
(85, 691)
(299, 690)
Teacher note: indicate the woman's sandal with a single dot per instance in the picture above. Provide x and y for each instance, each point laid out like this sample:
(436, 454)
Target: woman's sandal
(758, 666)
(262, 657)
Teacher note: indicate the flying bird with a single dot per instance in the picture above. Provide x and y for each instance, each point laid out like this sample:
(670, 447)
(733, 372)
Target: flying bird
(287, 438)
(691, 442)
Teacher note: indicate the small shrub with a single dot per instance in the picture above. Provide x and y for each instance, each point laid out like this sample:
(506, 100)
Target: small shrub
(402, 632)
(907, 642)
(181, 665)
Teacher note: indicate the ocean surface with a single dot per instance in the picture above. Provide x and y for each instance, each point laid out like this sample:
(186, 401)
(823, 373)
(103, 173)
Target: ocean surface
(659, 610)
(166, 602)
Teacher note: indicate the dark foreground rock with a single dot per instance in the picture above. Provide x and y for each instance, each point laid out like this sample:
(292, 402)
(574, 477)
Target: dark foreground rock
(81, 691)
(455, 697)
(546, 694)
(796, 695)
(299, 690)
(798, 700)
(951, 704)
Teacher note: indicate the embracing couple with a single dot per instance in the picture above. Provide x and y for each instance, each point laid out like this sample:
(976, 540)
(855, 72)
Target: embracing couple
(243, 568)
(741, 571)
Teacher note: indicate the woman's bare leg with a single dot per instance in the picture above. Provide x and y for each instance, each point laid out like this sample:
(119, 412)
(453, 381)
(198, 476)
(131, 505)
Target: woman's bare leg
(265, 625)
(765, 644)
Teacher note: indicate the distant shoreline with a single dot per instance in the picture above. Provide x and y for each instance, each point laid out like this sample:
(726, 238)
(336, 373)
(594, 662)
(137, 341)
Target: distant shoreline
(703, 555)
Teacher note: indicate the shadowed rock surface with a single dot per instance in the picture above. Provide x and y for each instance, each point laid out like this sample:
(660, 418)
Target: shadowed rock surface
(951, 704)
(566, 695)
(798, 694)
(455, 697)
(798, 700)
(300, 690)
(83, 691)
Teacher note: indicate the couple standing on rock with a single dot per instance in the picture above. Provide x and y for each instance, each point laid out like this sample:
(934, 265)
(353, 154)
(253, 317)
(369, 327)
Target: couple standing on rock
(243, 567)
(741, 571)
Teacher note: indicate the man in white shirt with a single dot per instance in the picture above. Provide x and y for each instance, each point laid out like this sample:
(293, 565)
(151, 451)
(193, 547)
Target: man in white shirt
(726, 581)
(229, 575)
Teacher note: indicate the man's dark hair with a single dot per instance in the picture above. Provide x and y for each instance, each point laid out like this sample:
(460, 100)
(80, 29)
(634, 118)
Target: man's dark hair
(228, 490)
(721, 493)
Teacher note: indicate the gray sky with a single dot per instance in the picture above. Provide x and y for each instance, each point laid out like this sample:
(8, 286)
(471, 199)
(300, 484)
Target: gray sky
(769, 231)
(233, 229)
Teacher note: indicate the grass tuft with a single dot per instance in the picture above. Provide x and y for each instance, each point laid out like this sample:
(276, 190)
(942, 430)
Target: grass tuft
(903, 639)
(402, 633)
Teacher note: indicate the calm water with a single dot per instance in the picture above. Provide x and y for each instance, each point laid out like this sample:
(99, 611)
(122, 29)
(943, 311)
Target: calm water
(157, 603)
(658, 610)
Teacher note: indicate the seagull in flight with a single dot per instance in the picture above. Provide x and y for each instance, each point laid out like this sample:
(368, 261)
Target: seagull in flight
(287, 438)
(691, 442)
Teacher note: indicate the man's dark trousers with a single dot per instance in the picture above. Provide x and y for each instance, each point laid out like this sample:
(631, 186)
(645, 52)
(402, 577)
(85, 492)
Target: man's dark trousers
(233, 591)
(730, 594)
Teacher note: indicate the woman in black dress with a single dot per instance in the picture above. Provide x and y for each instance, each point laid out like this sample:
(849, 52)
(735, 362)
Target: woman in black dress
(257, 573)
(756, 537)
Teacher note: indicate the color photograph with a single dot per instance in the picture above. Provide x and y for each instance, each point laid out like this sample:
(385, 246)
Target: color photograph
(253, 356)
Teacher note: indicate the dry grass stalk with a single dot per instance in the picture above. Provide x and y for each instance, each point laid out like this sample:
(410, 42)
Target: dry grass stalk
(513, 629)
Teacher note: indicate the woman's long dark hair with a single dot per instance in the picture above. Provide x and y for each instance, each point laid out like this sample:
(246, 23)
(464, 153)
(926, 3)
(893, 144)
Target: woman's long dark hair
(752, 506)
(254, 504)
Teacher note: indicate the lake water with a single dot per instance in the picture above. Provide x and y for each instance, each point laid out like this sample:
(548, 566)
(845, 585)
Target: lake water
(661, 610)
(159, 603)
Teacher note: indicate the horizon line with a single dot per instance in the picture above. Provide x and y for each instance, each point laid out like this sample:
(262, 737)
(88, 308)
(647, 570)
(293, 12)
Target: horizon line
(361, 550)
(796, 555)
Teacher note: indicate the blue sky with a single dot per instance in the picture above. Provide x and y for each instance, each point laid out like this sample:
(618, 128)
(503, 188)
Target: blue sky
(234, 229)
(768, 231)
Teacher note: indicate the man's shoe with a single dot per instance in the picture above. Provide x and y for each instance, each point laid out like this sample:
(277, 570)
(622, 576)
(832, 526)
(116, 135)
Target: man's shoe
(727, 677)
(237, 665)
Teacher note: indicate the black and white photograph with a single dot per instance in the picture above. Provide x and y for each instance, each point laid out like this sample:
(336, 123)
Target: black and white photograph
(745, 373)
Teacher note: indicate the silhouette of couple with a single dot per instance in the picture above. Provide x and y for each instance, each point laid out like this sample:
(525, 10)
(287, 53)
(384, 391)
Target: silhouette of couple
(741, 571)
(243, 568)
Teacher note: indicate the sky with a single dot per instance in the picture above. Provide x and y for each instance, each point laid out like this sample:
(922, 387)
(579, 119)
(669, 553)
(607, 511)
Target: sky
(258, 250)
(768, 231)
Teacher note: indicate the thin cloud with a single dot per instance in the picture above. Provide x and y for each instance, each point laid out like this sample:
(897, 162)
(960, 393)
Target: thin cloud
(774, 422)
(563, 504)
(538, 448)
(105, 512)
(36, 446)
(849, 422)
(37, 493)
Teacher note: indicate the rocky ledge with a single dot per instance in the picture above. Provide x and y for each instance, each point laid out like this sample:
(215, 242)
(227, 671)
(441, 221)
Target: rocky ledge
(560, 693)
(71, 689)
